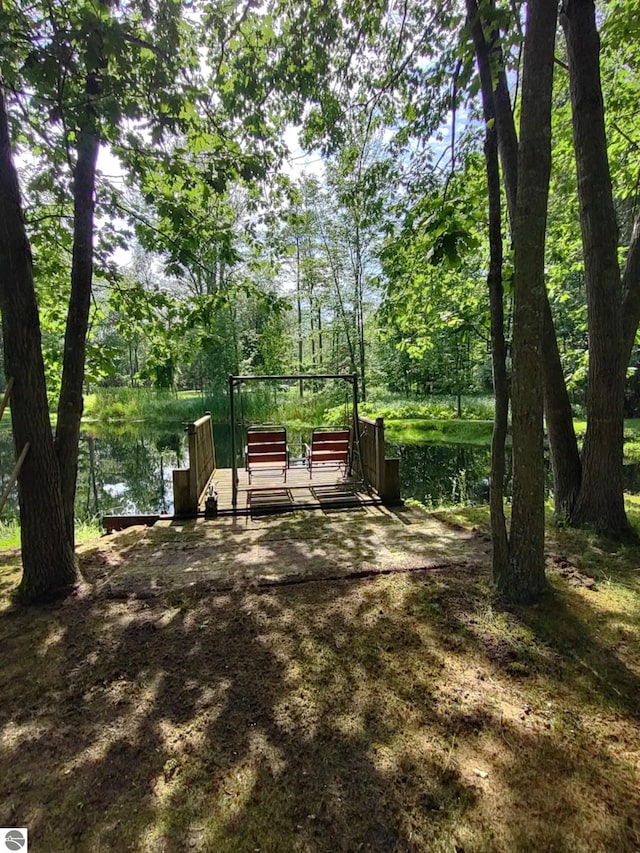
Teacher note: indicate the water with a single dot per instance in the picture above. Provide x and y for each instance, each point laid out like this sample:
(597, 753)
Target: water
(126, 474)
(441, 474)
(120, 472)
(129, 471)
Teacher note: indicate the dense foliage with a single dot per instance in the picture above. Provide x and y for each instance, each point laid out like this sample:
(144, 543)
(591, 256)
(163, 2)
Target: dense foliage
(298, 187)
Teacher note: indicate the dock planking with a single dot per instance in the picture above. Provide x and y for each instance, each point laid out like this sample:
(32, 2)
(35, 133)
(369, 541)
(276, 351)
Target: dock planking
(269, 494)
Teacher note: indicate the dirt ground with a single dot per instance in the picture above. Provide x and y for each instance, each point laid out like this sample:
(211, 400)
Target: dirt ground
(338, 683)
(234, 553)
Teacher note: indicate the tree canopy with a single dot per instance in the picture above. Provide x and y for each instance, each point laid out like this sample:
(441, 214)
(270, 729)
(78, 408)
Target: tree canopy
(207, 251)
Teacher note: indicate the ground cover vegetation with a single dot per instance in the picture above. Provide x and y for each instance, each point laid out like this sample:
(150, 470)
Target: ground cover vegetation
(409, 711)
(465, 222)
(445, 240)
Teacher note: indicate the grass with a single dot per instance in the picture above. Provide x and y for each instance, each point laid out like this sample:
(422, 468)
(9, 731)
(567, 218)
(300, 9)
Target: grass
(258, 403)
(404, 712)
(580, 554)
(439, 432)
(429, 420)
(632, 439)
(434, 407)
(262, 403)
(10, 533)
(130, 404)
(597, 556)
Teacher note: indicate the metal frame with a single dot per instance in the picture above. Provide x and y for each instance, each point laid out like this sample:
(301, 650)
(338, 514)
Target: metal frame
(236, 381)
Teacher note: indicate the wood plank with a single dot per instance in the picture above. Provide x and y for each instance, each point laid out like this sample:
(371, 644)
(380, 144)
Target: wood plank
(279, 435)
(328, 454)
(330, 435)
(121, 522)
(258, 453)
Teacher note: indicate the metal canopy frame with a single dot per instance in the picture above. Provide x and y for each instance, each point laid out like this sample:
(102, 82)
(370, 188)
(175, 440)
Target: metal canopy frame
(236, 381)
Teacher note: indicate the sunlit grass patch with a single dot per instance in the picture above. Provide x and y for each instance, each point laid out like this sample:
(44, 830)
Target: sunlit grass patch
(467, 517)
(416, 431)
(381, 403)
(9, 534)
(122, 404)
(632, 440)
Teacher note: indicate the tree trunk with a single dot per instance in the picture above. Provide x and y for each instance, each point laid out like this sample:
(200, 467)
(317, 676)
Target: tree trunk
(565, 457)
(499, 540)
(312, 330)
(47, 556)
(500, 560)
(70, 404)
(525, 579)
(600, 501)
(299, 305)
(563, 445)
(359, 310)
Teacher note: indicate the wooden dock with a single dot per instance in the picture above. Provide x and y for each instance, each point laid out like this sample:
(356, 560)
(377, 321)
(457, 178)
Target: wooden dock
(270, 493)
(276, 491)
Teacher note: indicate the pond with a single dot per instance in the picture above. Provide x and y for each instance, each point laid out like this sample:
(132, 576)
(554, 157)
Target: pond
(129, 470)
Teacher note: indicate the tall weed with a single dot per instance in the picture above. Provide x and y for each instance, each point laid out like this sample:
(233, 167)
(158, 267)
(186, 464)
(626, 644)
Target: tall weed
(266, 403)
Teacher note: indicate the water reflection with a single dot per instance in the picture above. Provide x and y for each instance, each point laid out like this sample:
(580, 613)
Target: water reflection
(129, 470)
(123, 471)
(439, 474)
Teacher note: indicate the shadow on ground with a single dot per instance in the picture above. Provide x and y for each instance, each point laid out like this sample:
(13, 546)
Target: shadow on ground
(236, 553)
(347, 684)
(399, 712)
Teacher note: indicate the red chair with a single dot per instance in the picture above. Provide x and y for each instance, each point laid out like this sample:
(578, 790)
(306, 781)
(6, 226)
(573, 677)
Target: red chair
(329, 448)
(266, 450)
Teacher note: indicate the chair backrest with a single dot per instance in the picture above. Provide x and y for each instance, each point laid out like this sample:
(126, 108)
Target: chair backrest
(267, 445)
(330, 445)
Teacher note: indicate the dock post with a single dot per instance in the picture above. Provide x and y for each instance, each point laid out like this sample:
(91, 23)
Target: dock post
(193, 467)
(380, 451)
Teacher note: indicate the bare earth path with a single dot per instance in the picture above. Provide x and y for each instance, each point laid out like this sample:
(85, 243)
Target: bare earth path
(228, 553)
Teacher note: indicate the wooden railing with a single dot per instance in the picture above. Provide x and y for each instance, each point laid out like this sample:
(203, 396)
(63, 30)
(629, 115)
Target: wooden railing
(381, 473)
(189, 484)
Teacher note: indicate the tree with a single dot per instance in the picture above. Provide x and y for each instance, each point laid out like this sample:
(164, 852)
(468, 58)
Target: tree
(76, 71)
(569, 484)
(434, 303)
(523, 578)
(599, 501)
(484, 50)
(47, 554)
